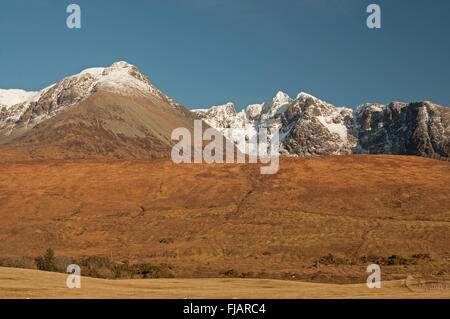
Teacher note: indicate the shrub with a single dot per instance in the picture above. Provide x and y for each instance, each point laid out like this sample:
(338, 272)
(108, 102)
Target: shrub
(396, 260)
(422, 256)
(330, 259)
(386, 261)
(18, 262)
(230, 273)
(47, 261)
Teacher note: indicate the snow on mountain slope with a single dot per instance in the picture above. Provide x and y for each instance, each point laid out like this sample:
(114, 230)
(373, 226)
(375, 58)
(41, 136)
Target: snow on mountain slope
(20, 110)
(309, 126)
(267, 115)
(223, 116)
(11, 97)
(274, 115)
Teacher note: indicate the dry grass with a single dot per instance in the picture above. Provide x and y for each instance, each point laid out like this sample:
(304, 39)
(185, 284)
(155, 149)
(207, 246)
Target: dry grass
(22, 283)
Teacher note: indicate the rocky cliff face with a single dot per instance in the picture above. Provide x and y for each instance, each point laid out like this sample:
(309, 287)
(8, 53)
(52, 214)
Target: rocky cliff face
(418, 128)
(311, 127)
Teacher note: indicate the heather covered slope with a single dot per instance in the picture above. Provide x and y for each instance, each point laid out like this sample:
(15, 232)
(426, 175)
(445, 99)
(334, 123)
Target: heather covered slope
(229, 220)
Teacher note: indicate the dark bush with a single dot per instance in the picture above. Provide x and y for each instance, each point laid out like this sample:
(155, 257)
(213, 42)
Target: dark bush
(396, 260)
(422, 256)
(18, 262)
(230, 273)
(330, 259)
(47, 261)
(91, 266)
(386, 261)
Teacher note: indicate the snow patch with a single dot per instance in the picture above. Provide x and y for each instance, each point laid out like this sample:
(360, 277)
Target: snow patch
(337, 128)
(12, 97)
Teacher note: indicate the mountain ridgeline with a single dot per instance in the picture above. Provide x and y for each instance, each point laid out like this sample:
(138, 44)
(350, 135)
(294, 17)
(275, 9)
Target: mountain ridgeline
(309, 126)
(116, 112)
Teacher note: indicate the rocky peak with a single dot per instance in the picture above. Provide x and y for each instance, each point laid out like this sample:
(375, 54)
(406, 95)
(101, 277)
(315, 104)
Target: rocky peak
(311, 127)
(253, 111)
(222, 116)
(281, 98)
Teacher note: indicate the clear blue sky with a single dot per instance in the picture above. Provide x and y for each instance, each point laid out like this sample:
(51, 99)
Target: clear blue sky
(207, 52)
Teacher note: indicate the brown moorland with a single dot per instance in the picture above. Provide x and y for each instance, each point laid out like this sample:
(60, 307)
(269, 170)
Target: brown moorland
(321, 219)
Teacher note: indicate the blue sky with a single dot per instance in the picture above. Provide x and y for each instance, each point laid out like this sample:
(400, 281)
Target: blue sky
(209, 52)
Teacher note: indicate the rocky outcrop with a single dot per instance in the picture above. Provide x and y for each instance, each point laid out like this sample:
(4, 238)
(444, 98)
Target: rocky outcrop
(418, 128)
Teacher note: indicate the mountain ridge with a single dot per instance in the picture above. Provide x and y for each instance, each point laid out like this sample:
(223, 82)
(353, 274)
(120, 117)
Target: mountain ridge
(309, 126)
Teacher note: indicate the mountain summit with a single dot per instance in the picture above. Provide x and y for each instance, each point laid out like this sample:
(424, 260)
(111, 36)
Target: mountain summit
(20, 109)
(113, 111)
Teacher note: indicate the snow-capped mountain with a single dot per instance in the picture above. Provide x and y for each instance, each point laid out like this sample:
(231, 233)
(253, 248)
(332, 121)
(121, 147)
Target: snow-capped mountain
(99, 112)
(20, 110)
(309, 126)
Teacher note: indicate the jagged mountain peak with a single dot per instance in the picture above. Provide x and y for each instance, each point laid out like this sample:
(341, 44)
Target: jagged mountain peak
(253, 111)
(307, 100)
(311, 127)
(216, 110)
(122, 65)
(281, 97)
(120, 77)
(119, 65)
(223, 116)
(304, 96)
(227, 107)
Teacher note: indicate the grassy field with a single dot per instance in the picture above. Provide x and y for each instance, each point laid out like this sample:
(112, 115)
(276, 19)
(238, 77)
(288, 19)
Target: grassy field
(25, 283)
